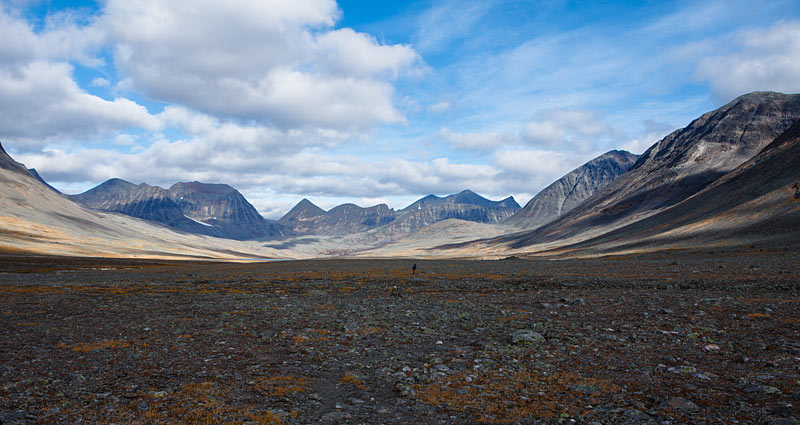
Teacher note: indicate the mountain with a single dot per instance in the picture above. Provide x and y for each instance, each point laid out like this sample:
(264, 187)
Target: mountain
(7, 163)
(675, 168)
(756, 203)
(224, 208)
(37, 220)
(206, 209)
(567, 192)
(36, 175)
(141, 201)
(466, 205)
(386, 223)
(308, 219)
(466, 197)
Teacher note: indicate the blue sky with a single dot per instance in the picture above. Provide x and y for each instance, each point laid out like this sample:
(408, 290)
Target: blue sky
(369, 102)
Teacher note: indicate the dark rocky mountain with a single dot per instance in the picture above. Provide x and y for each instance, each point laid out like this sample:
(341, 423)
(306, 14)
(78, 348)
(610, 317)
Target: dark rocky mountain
(567, 192)
(142, 201)
(8, 163)
(208, 209)
(756, 203)
(224, 208)
(466, 197)
(36, 175)
(466, 205)
(307, 218)
(677, 167)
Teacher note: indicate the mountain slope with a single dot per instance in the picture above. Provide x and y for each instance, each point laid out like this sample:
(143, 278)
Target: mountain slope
(37, 220)
(676, 167)
(308, 219)
(224, 208)
(758, 202)
(466, 205)
(567, 192)
(384, 223)
(36, 175)
(466, 197)
(206, 209)
(141, 201)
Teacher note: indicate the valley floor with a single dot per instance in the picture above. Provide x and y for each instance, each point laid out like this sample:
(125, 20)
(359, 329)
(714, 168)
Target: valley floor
(682, 337)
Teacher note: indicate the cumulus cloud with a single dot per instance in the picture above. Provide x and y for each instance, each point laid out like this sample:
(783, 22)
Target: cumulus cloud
(566, 129)
(279, 63)
(762, 59)
(40, 101)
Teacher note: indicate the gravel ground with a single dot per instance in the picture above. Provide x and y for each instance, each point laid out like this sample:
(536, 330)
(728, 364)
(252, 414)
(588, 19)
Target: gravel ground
(675, 338)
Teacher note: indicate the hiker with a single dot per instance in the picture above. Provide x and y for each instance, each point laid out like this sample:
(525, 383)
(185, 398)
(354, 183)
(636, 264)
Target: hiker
(414, 269)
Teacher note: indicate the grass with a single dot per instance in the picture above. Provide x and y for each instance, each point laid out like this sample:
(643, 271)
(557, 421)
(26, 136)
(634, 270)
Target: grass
(97, 345)
(281, 386)
(508, 397)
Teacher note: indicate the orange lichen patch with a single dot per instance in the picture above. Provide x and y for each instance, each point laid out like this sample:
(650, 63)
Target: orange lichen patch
(280, 386)
(326, 307)
(97, 345)
(351, 379)
(367, 331)
(300, 339)
(789, 321)
(757, 315)
(504, 398)
(202, 404)
(29, 324)
(184, 336)
(20, 290)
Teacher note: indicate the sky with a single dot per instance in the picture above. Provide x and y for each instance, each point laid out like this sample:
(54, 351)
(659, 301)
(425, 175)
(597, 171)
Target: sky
(369, 102)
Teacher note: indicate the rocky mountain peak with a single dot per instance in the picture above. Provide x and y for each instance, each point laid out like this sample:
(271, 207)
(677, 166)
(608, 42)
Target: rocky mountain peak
(570, 190)
(8, 163)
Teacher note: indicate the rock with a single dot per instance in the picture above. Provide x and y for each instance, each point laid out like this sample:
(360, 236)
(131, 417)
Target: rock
(15, 417)
(784, 410)
(763, 389)
(711, 347)
(334, 417)
(585, 389)
(526, 336)
(682, 369)
(680, 403)
(634, 416)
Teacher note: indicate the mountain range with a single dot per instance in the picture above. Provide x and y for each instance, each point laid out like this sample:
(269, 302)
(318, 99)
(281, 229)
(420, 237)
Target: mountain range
(308, 219)
(732, 176)
(677, 167)
(207, 209)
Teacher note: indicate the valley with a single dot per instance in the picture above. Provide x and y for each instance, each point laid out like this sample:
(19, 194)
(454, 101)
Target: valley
(675, 337)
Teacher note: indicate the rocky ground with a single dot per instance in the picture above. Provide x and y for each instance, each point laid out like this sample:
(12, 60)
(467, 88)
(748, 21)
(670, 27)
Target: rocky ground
(674, 338)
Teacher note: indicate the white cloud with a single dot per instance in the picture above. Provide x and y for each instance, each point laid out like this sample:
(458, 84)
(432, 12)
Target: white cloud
(762, 59)
(440, 107)
(475, 141)
(60, 39)
(40, 101)
(566, 129)
(276, 62)
(100, 82)
(349, 53)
